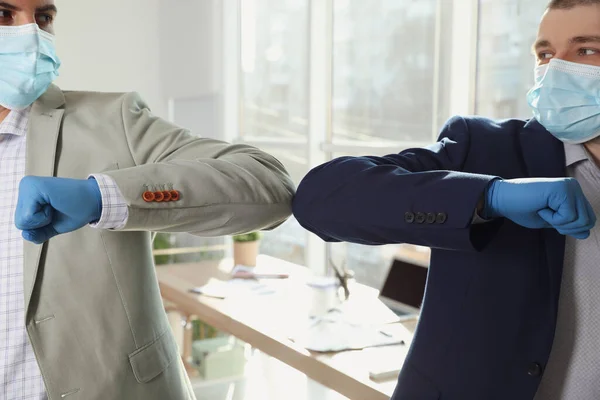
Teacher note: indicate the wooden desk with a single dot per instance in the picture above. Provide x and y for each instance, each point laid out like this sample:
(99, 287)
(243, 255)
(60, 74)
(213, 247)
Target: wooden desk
(267, 322)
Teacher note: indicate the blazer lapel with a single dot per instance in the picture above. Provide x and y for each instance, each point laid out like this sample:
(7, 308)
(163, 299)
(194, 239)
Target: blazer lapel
(42, 138)
(544, 157)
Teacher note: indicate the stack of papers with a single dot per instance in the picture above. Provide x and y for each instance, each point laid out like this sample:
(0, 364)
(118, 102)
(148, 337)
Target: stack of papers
(244, 281)
(339, 331)
(366, 311)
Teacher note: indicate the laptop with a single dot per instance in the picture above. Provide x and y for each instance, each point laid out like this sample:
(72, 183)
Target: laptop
(404, 288)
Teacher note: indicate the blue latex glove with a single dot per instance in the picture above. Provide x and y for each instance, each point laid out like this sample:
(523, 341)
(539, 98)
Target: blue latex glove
(542, 203)
(52, 206)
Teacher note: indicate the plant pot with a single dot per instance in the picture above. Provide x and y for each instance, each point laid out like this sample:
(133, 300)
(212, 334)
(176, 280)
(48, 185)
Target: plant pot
(245, 253)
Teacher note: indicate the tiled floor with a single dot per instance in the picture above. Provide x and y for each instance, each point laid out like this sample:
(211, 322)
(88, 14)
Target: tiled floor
(266, 379)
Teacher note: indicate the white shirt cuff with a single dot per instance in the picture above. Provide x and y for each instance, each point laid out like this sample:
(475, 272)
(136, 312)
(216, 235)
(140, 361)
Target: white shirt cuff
(114, 207)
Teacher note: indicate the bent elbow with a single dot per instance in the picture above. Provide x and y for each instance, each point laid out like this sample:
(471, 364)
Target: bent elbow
(306, 206)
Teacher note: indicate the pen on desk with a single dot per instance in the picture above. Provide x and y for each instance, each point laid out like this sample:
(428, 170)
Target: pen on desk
(271, 276)
(252, 275)
(200, 292)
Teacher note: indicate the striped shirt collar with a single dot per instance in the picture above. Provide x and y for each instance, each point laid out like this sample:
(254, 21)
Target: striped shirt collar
(15, 123)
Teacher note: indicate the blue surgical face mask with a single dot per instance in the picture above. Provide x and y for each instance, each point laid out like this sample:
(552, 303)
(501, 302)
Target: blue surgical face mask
(566, 100)
(28, 65)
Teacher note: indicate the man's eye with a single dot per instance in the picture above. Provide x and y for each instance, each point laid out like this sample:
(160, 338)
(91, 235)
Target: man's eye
(6, 15)
(544, 55)
(44, 19)
(587, 52)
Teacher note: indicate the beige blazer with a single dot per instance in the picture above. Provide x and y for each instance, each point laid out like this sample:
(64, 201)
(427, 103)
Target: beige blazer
(94, 314)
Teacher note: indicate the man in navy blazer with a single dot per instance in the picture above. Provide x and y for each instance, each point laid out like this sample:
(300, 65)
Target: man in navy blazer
(512, 304)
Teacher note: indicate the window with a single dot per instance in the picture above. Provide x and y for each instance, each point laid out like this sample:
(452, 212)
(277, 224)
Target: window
(386, 70)
(507, 30)
(389, 74)
(274, 43)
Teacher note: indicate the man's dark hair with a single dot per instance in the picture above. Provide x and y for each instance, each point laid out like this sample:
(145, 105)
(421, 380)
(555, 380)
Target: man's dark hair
(568, 4)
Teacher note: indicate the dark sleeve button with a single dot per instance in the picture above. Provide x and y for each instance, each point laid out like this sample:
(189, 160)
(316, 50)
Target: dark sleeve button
(409, 217)
(431, 218)
(535, 369)
(167, 195)
(441, 218)
(420, 218)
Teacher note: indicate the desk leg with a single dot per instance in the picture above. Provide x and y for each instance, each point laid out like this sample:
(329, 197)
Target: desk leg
(176, 321)
(182, 328)
(187, 346)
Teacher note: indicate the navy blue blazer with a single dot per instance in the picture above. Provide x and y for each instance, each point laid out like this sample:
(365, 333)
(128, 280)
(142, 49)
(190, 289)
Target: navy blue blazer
(489, 314)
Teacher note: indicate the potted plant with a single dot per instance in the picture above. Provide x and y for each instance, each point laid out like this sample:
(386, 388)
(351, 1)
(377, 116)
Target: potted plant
(245, 249)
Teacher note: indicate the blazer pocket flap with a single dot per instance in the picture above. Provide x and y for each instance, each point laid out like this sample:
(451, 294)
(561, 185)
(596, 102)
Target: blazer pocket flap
(151, 360)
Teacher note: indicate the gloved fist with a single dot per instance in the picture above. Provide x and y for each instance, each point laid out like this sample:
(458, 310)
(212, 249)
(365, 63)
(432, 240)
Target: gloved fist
(52, 206)
(557, 203)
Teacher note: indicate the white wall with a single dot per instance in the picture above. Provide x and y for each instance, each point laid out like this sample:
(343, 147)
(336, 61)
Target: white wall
(190, 42)
(167, 50)
(111, 46)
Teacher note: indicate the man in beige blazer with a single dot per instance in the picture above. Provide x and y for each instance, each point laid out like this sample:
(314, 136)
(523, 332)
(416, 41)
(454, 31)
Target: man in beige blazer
(85, 178)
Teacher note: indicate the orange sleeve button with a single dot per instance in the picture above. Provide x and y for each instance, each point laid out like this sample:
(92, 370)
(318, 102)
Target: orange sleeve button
(159, 197)
(148, 197)
(175, 195)
(167, 195)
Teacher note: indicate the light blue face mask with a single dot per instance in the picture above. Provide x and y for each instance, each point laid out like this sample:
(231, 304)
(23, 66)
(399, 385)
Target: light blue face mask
(28, 65)
(566, 100)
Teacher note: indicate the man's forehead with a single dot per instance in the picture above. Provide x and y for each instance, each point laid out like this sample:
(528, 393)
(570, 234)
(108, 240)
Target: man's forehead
(580, 17)
(565, 25)
(28, 4)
